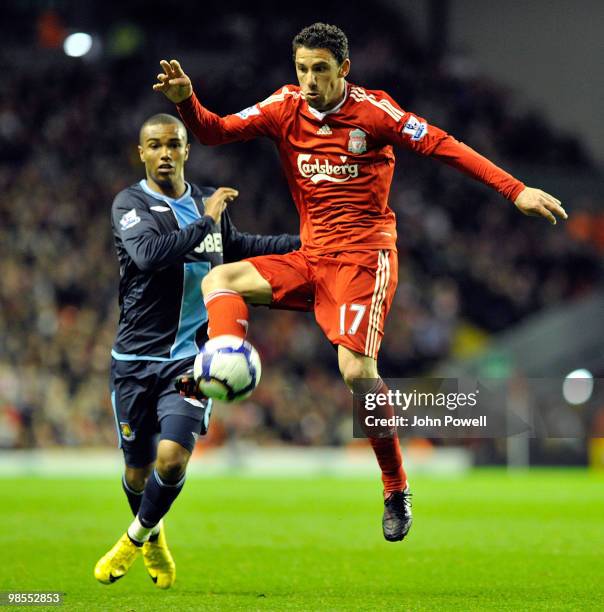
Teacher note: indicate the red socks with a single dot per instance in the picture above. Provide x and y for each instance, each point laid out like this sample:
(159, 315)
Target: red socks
(227, 313)
(388, 454)
(388, 450)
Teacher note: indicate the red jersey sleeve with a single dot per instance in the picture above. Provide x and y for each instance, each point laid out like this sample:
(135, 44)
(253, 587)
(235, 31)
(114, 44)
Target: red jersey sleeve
(396, 126)
(212, 129)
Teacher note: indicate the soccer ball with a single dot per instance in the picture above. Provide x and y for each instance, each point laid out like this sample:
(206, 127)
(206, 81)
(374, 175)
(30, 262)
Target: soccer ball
(227, 368)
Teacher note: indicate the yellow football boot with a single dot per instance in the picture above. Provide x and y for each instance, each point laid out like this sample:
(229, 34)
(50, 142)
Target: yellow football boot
(114, 564)
(159, 561)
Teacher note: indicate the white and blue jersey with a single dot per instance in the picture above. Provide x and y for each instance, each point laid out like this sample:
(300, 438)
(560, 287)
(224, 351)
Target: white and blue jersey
(165, 247)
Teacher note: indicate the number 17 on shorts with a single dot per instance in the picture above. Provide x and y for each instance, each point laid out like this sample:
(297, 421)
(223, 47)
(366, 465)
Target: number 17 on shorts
(370, 291)
(359, 310)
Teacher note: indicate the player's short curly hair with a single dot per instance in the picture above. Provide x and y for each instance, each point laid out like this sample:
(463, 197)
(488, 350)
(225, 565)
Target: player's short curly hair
(323, 36)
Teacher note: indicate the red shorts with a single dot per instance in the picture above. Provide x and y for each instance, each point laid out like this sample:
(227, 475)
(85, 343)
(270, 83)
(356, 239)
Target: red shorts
(350, 293)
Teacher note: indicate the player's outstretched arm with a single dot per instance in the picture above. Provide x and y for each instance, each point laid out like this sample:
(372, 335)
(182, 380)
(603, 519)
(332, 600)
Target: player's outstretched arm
(173, 82)
(537, 203)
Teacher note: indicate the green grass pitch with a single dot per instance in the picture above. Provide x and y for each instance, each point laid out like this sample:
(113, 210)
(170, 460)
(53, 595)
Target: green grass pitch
(488, 540)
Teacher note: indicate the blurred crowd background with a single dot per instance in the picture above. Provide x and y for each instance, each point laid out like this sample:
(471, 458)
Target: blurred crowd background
(470, 265)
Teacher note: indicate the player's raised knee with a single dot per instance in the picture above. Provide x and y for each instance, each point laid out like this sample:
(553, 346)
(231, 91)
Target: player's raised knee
(217, 278)
(241, 277)
(172, 461)
(226, 276)
(171, 469)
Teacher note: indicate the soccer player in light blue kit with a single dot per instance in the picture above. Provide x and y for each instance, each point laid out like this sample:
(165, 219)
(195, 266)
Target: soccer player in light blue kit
(168, 235)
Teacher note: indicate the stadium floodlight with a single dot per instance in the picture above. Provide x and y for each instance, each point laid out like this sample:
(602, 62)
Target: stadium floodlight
(578, 386)
(77, 44)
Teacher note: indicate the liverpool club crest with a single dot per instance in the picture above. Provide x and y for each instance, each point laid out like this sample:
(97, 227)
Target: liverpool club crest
(357, 141)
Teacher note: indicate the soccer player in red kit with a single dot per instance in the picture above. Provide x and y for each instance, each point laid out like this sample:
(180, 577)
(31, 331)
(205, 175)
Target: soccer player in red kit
(335, 142)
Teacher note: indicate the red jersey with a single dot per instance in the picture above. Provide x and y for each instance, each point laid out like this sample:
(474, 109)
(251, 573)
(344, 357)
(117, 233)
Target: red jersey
(339, 163)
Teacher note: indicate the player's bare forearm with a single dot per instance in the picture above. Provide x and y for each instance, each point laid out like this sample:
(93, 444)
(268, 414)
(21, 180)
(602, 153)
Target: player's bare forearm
(537, 203)
(173, 82)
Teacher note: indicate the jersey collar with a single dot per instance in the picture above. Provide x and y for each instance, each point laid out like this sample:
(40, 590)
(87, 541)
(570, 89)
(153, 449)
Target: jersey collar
(320, 116)
(165, 198)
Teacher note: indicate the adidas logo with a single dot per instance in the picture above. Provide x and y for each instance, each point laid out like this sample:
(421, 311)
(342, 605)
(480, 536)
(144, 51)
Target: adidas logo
(324, 130)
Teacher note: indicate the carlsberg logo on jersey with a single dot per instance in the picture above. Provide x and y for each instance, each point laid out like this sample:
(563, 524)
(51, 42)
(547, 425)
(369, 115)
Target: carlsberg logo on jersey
(324, 170)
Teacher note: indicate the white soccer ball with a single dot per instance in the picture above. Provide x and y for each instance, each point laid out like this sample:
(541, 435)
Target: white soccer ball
(227, 368)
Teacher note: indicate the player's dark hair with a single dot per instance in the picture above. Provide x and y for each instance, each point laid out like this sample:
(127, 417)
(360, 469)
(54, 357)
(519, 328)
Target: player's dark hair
(323, 36)
(161, 119)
